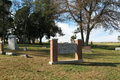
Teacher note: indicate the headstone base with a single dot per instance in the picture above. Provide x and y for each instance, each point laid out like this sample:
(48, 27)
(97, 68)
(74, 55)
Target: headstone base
(12, 47)
(66, 62)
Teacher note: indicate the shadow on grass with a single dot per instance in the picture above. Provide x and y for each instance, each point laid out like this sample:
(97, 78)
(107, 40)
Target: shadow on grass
(32, 45)
(41, 53)
(95, 64)
(33, 52)
(35, 45)
(106, 47)
(100, 55)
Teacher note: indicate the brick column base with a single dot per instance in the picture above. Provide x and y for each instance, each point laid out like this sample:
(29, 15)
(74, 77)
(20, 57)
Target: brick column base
(1, 46)
(53, 51)
(78, 54)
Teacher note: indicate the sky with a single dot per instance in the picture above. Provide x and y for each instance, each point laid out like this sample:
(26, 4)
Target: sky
(97, 35)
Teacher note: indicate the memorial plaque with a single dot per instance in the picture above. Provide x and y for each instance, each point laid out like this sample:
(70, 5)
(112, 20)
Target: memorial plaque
(64, 48)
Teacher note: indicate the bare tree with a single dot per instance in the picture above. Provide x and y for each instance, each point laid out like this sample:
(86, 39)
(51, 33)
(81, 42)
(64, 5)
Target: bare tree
(93, 14)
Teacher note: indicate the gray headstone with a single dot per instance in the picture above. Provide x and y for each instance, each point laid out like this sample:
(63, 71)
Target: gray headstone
(87, 49)
(12, 43)
(25, 49)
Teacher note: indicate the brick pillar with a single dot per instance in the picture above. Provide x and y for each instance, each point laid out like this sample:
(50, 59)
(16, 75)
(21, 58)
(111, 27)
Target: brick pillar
(78, 55)
(53, 50)
(1, 46)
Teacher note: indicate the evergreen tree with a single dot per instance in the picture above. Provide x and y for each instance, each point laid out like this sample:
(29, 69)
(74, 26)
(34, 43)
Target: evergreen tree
(5, 17)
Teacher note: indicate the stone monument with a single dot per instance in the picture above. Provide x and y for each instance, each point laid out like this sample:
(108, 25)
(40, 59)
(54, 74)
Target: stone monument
(65, 48)
(12, 43)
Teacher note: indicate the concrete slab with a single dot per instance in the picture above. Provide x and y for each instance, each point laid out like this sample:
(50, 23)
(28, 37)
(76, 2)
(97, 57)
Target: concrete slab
(66, 62)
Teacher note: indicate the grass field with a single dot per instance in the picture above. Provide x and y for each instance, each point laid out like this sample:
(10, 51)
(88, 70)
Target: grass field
(101, 64)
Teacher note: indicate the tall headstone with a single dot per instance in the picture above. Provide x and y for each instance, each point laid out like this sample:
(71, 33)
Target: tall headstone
(12, 43)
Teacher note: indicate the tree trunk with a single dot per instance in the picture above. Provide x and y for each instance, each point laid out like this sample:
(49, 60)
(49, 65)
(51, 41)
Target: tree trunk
(3, 29)
(20, 40)
(33, 41)
(28, 40)
(40, 40)
(3, 39)
(81, 28)
(82, 36)
(24, 38)
(87, 38)
(41, 36)
(88, 29)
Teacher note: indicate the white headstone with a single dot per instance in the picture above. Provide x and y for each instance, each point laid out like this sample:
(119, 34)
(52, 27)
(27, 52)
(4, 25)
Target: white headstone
(12, 43)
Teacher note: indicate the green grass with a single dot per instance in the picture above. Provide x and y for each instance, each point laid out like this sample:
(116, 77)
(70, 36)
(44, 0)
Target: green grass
(103, 63)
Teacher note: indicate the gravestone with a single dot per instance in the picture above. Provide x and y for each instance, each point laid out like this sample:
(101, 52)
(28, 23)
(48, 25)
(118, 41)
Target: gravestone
(12, 42)
(25, 49)
(87, 49)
